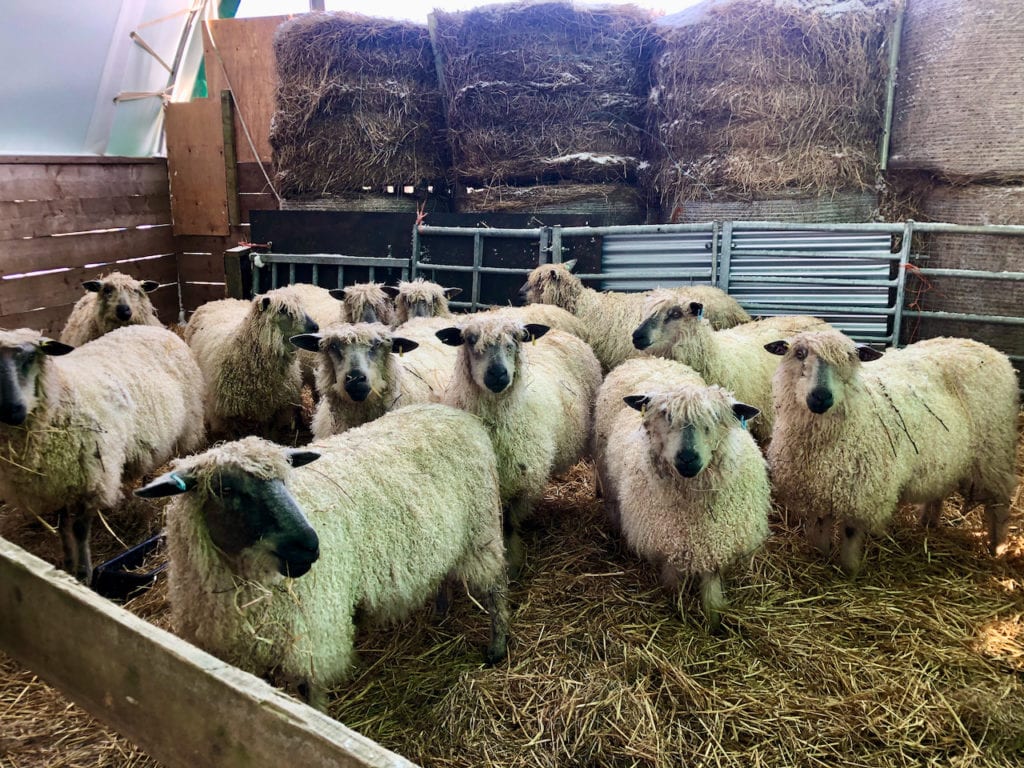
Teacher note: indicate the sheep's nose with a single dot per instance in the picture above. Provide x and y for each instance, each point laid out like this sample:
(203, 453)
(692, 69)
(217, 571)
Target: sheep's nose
(688, 463)
(123, 312)
(523, 297)
(640, 340)
(496, 378)
(311, 326)
(355, 377)
(820, 400)
(13, 413)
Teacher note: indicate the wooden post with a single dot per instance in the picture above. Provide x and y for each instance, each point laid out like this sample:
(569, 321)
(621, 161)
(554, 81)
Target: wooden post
(227, 109)
(234, 282)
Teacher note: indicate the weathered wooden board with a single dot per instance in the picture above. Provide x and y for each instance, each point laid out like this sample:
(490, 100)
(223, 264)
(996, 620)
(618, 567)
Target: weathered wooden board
(202, 267)
(194, 295)
(36, 218)
(48, 321)
(44, 181)
(182, 706)
(98, 248)
(195, 164)
(244, 62)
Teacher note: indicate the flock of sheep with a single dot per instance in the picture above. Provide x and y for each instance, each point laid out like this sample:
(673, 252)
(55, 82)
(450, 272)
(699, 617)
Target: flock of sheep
(435, 435)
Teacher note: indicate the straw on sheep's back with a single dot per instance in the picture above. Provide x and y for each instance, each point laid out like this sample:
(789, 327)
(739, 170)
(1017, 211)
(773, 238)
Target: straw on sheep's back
(542, 92)
(358, 106)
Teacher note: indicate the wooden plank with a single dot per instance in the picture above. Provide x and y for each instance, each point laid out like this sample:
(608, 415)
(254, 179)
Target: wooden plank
(48, 321)
(195, 162)
(251, 178)
(40, 181)
(245, 51)
(35, 218)
(201, 267)
(233, 259)
(194, 295)
(40, 253)
(65, 287)
(249, 202)
(184, 707)
(227, 117)
(79, 160)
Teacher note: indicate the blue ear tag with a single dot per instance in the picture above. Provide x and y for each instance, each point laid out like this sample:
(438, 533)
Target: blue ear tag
(179, 482)
(700, 314)
(743, 421)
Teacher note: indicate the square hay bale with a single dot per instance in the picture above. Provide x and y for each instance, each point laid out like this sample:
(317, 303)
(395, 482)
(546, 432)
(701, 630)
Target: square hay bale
(838, 207)
(545, 91)
(959, 95)
(751, 98)
(358, 106)
(621, 203)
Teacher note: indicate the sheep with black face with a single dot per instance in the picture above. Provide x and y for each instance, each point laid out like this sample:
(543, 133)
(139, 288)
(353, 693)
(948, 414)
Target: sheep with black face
(76, 423)
(110, 302)
(692, 487)
(273, 565)
(857, 434)
(534, 390)
(422, 298)
(367, 303)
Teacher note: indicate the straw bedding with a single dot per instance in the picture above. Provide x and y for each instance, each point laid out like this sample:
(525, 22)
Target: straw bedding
(751, 97)
(543, 91)
(358, 106)
(920, 661)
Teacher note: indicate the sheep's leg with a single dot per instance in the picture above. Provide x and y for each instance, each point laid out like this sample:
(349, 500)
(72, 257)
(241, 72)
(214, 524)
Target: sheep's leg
(852, 549)
(819, 533)
(997, 513)
(515, 555)
(74, 524)
(712, 599)
(313, 693)
(443, 601)
(497, 608)
(931, 513)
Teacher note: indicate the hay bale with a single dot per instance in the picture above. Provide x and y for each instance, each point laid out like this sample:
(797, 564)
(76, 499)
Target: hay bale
(839, 207)
(542, 92)
(751, 97)
(358, 106)
(972, 204)
(619, 203)
(958, 99)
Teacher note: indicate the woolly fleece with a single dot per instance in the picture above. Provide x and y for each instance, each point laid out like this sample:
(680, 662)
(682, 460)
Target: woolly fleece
(93, 314)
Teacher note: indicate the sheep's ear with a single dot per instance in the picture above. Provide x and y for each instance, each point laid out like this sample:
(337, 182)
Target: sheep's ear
(777, 347)
(390, 290)
(169, 484)
(92, 285)
(264, 303)
(338, 293)
(300, 458)
(637, 402)
(150, 285)
(53, 348)
(744, 412)
(696, 309)
(307, 341)
(451, 293)
(533, 331)
(450, 336)
(570, 264)
(398, 344)
(867, 354)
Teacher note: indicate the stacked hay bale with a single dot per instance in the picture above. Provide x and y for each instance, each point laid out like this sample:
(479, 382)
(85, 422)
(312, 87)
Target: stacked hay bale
(358, 110)
(766, 109)
(545, 105)
(957, 145)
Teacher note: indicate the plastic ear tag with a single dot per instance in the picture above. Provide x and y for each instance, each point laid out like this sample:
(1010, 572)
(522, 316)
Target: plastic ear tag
(401, 352)
(179, 482)
(643, 409)
(533, 340)
(700, 313)
(743, 422)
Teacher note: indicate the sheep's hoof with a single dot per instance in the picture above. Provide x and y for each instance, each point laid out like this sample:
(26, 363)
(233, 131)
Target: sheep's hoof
(495, 654)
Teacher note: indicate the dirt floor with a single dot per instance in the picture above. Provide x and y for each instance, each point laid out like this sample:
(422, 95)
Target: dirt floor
(919, 661)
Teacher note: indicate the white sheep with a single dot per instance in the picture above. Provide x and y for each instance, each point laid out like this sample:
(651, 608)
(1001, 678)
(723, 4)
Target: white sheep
(250, 371)
(367, 303)
(324, 309)
(75, 423)
(110, 302)
(734, 358)
(389, 512)
(363, 372)
(422, 298)
(535, 396)
(641, 374)
(852, 443)
(608, 318)
(692, 485)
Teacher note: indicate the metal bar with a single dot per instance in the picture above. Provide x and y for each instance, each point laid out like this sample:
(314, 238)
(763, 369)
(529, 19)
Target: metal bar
(414, 260)
(523, 234)
(819, 309)
(478, 260)
(273, 276)
(715, 235)
(291, 274)
(890, 84)
(993, 319)
(661, 274)
(814, 280)
(372, 275)
(972, 274)
(543, 250)
(332, 258)
(556, 244)
(255, 277)
(777, 226)
(818, 254)
(970, 229)
(726, 266)
(635, 229)
(901, 277)
(316, 274)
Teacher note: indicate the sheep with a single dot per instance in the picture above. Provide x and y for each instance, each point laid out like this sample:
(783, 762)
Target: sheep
(250, 371)
(324, 309)
(75, 423)
(734, 358)
(422, 298)
(542, 314)
(608, 318)
(692, 485)
(389, 512)
(641, 374)
(367, 303)
(852, 443)
(110, 302)
(362, 373)
(535, 399)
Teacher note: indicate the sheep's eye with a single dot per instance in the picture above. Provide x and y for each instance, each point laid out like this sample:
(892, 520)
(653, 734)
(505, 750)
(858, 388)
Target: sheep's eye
(510, 347)
(472, 339)
(675, 313)
(283, 311)
(108, 290)
(800, 354)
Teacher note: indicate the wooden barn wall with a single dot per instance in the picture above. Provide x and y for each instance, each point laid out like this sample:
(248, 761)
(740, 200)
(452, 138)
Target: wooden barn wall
(65, 220)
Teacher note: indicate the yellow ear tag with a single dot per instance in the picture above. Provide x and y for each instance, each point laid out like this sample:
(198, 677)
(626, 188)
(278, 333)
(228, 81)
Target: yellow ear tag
(533, 340)
(401, 352)
(643, 409)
